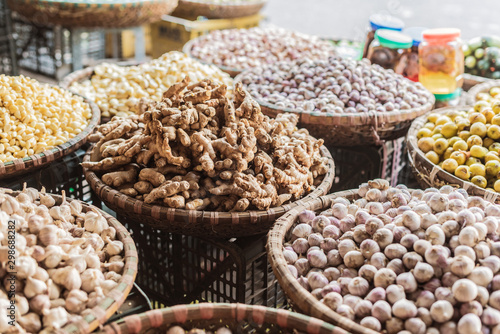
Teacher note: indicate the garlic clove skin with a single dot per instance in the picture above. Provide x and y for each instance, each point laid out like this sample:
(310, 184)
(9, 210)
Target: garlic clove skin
(22, 305)
(56, 318)
(113, 247)
(30, 322)
(25, 267)
(53, 289)
(91, 279)
(39, 304)
(68, 277)
(34, 287)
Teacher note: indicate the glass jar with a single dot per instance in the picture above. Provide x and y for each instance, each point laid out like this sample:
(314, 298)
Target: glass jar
(390, 49)
(380, 21)
(411, 70)
(441, 60)
(448, 100)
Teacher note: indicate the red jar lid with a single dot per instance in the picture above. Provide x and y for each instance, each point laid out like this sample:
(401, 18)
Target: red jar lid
(441, 33)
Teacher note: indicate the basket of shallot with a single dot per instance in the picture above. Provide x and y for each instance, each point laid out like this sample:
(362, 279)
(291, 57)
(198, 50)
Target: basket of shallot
(392, 259)
(220, 318)
(66, 266)
(346, 102)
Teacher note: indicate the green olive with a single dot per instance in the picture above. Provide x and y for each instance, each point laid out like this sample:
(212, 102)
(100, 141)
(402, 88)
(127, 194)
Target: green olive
(479, 53)
(470, 62)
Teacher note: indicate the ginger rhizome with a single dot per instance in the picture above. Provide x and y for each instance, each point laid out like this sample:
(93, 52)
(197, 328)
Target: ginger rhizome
(198, 150)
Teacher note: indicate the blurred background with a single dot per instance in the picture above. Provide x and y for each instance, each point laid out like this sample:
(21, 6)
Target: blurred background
(347, 19)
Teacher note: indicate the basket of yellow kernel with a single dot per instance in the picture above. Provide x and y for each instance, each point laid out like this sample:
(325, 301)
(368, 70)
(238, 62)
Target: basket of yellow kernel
(40, 123)
(117, 89)
(458, 146)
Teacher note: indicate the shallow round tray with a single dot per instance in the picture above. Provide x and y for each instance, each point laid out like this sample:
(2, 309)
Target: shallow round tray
(481, 88)
(301, 299)
(353, 129)
(92, 14)
(25, 165)
(116, 297)
(213, 10)
(201, 223)
(431, 175)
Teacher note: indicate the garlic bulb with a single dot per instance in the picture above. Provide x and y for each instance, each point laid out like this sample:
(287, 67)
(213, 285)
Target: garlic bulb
(68, 277)
(91, 278)
(55, 318)
(464, 290)
(94, 222)
(34, 287)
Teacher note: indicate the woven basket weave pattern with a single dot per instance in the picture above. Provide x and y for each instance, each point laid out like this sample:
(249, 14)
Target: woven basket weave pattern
(240, 318)
(213, 10)
(105, 14)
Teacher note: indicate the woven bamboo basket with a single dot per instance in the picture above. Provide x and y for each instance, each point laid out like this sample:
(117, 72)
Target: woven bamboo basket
(22, 166)
(214, 10)
(428, 174)
(472, 80)
(92, 14)
(201, 223)
(483, 87)
(233, 72)
(353, 129)
(115, 298)
(239, 318)
(302, 300)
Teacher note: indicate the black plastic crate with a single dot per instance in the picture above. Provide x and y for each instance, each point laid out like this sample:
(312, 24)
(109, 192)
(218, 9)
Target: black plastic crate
(64, 174)
(8, 64)
(176, 269)
(358, 164)
(50, 50)
(355, 165)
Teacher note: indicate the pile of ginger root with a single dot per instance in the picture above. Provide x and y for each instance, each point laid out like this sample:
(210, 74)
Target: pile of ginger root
(198, 150)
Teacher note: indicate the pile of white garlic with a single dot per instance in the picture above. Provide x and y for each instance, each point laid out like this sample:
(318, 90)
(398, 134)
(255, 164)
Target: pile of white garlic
(66, 261)
(403, 261)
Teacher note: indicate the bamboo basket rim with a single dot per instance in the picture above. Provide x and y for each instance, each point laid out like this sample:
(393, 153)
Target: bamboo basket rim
(213, 10)
(24, 165)
(434, 173)
(379, 119)
(226, 4)
(192, 217)
(300, 297)
(116, 297)
(67, 4)
(481, 88)
(220, 311)
(233, 72)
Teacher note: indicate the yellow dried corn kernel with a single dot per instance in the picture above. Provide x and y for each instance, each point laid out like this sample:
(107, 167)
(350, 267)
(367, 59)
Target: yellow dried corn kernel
(116, 89)
(36, 117)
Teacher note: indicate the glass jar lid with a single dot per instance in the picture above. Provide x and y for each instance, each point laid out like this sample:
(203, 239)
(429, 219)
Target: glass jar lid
(415, 33)
(393, 39)
(441, 34)
(448, 97)
(381, 21)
